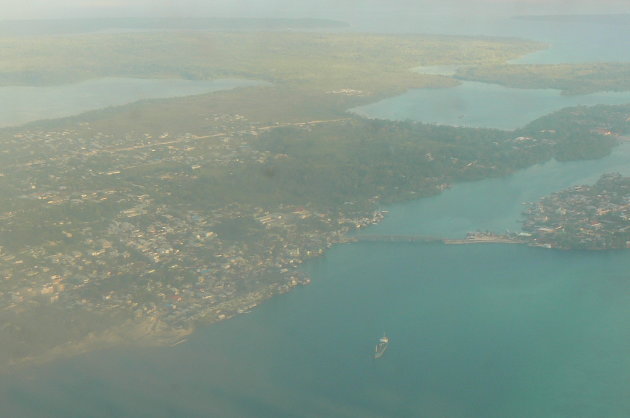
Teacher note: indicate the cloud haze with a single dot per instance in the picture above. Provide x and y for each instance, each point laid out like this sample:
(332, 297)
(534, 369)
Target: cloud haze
(29, 9)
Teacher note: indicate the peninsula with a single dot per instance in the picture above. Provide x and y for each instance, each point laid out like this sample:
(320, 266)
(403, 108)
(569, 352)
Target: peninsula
(593, 217)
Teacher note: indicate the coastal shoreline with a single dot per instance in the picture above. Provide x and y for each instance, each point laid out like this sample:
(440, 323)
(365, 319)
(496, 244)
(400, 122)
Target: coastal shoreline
(164, 247)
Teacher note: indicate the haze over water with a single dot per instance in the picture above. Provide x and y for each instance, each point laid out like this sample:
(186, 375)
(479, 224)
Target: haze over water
(476, 330)
(29, 103)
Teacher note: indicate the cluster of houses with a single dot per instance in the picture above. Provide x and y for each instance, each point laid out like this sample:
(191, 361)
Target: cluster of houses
(103, 243)
(586, 217)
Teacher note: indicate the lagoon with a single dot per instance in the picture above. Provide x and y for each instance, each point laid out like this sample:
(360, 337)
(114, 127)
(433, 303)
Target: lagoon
(481, 105)
(475, 104)
(23, 104)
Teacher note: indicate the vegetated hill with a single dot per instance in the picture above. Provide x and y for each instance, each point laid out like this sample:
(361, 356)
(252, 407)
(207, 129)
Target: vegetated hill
(570, 78)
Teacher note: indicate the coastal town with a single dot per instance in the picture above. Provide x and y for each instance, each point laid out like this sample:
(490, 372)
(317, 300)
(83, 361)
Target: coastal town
(581, 217)
(135, 224)
(593, 217)
(101, 247)
(142, 236)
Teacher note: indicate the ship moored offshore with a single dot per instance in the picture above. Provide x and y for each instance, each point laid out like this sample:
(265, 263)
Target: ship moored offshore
(381, 347)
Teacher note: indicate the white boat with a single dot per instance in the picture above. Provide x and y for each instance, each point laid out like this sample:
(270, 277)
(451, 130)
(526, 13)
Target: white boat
(381, 347)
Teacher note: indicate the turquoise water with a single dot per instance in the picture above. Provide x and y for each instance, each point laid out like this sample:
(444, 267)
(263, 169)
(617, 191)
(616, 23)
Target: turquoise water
(22, 104)
(495, 204)
(474, 104)
(476, 331)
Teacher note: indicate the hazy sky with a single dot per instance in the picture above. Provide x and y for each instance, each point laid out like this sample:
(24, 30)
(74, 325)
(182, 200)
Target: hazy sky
(28, 9)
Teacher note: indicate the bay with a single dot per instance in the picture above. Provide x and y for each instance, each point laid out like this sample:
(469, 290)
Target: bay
(476, 331)
(22, 104)
(474, 104)
(495, 204)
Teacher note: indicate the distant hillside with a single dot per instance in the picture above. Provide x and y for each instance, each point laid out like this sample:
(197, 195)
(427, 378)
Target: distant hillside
(613, 19)
(73, 26)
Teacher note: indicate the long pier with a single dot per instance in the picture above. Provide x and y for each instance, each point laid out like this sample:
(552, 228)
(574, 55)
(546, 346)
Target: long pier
(486, 239)
(393, 238)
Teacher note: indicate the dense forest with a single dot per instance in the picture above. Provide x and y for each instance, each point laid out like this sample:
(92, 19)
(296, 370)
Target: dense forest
(356, 159)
